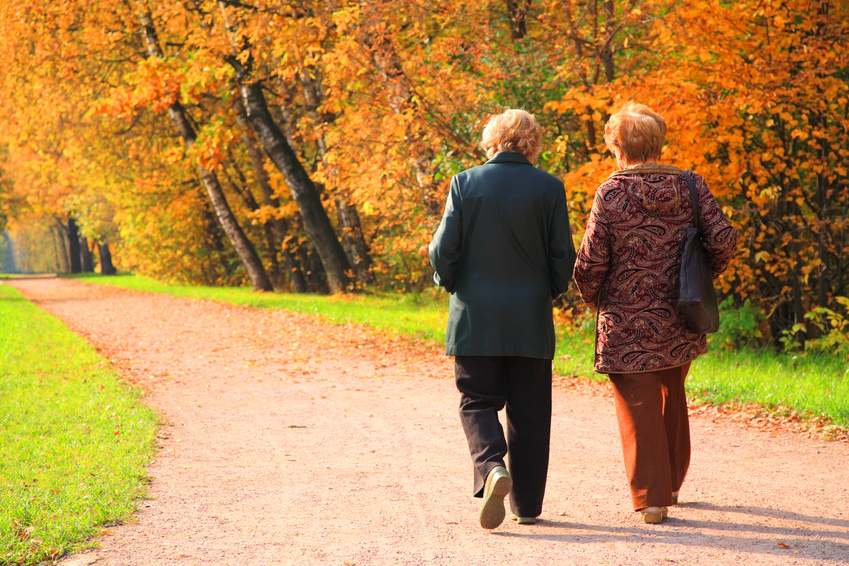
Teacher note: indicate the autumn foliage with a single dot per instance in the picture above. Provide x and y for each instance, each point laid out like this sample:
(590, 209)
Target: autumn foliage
(381, 102)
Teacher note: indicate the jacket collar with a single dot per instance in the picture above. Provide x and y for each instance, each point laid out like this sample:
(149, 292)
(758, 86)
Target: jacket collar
(647, 169)
(509, 157)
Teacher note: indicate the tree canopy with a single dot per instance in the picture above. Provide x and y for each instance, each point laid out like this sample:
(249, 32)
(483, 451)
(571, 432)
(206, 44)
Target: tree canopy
(325, 132)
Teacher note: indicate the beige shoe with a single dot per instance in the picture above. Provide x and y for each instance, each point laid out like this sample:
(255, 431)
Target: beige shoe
(654, 515)
(497, 486)
(525, 520)
(675, 498)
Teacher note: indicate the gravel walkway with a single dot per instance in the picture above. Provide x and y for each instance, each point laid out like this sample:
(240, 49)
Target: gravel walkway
(288, 441)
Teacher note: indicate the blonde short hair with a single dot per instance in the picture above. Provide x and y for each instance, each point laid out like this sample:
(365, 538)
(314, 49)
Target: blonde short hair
(637, 131)
(512, 130)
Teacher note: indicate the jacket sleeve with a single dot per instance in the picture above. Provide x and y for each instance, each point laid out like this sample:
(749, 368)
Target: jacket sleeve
(561, 249)
(445, 250)
(593, 261)
(718, 236)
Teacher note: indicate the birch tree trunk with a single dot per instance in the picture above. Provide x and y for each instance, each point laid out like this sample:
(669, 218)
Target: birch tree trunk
(294, 273)
(244, 247)
(316, 222)
(353, 239)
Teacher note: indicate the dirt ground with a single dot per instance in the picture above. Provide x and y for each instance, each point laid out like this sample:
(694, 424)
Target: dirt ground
(288, 441)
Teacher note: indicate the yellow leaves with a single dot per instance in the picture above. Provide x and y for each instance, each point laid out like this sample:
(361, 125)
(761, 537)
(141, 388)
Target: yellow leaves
(395, 134)
(264, 214)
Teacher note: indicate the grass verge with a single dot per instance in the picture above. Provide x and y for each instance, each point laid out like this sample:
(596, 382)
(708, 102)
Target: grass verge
(74, 439)
(812, 385)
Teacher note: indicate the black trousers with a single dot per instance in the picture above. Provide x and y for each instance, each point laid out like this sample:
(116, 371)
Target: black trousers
(523, 385)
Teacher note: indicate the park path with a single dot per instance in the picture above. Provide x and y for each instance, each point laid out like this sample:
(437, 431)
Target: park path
(288, 441)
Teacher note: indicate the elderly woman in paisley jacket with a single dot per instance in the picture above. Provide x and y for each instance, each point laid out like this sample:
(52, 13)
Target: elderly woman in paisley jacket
(627, 268)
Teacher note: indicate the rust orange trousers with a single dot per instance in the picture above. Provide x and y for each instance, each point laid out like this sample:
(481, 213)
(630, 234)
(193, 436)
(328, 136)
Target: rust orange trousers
(651, 408)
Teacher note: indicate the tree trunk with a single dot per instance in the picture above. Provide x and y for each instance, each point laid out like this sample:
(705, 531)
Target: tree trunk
(9, 260)
(518, 22)
(315, 278)
(279, 225)
(798, 307)
(219, 264)
(106, 266)
(314, 216)
(244, 247)
(353, 241)
(316, 222)
(607, 47)
(252, 205)
(297, 281)
(57, 230)
(74, 246)
(85, 256)
(294, 273)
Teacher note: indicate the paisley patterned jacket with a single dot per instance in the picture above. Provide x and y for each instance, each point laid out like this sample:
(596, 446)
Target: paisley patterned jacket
(629, 261)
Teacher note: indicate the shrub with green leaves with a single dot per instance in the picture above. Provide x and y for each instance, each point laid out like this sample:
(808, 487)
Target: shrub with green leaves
(739, 327)
(831, 331)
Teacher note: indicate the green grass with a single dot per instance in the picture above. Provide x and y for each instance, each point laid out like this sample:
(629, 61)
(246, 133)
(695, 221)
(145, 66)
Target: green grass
(74, 439)
(813, 384)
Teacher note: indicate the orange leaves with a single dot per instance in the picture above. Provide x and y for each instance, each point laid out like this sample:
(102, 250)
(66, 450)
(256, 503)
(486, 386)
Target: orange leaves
(210, 149)
(764, 128)
(203, 72)
(386, 100)
(154, 83)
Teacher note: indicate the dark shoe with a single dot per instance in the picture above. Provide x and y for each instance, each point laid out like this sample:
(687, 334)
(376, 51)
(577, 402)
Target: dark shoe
(496, 488)
(524, 520)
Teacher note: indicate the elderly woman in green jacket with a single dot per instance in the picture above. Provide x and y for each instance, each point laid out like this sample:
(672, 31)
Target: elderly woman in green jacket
(504, 250)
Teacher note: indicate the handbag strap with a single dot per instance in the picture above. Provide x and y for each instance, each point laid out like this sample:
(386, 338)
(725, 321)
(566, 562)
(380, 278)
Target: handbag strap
(694, 199)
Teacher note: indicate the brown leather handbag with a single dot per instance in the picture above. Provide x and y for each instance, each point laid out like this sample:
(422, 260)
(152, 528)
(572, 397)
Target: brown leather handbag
(696, 297)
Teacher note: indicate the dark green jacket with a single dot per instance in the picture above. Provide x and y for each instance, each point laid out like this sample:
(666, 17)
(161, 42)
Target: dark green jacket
(503, 250)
